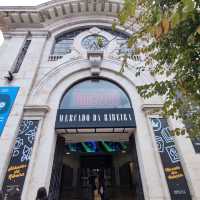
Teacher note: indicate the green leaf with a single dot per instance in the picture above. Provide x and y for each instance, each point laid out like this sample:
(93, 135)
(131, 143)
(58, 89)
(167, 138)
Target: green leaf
(188, 5)
(175, 19)
(175, 53)
(130, 42)
(114, 26)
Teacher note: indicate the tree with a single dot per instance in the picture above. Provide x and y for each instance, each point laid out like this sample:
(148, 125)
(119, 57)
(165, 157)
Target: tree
(170, 32)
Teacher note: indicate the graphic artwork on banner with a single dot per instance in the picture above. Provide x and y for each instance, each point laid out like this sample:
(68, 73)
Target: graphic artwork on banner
(174, 174)
(196, 144)
(7, 98)
(20, 158)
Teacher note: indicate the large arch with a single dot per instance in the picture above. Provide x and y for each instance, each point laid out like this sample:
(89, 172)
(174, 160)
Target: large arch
(51, 95)
(47, 84)
(57, 28)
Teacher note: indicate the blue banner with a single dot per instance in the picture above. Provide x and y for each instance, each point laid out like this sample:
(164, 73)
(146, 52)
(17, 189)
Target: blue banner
(7, 98)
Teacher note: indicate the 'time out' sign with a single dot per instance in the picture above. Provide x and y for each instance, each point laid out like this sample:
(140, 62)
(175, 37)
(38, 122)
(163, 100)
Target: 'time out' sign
(97, 99)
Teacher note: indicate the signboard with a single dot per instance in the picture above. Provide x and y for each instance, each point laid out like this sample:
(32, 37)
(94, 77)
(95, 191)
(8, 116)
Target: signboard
(174, 174)
(97, 147)
(95, 94)
(7, 98)
(16, 172)
(196, 144)
(90, 98)
(95, 118)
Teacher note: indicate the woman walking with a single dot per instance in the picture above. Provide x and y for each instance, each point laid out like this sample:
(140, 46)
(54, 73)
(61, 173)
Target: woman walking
(98, 189)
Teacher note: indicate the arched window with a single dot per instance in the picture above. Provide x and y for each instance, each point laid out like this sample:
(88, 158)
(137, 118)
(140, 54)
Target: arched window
(95, 93)
(63, 43)
(93, 104)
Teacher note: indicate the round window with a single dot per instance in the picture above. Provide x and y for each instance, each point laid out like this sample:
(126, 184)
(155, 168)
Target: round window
(94, 42)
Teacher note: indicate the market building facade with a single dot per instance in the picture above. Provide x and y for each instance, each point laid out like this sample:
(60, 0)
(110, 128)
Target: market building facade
(67, 113)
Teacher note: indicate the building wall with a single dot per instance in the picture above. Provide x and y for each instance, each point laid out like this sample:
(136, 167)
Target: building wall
(42, 84)
(24, 79)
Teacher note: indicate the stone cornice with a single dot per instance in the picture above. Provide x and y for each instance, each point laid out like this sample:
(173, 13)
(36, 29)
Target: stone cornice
(36, 111)
(25, 33)
(50, 12)
(152, 109)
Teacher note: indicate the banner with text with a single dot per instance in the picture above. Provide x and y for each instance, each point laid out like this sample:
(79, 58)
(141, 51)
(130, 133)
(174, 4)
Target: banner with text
(16, 172)
(7, 98)
(95, 118)
(196, 144)
(174, 174)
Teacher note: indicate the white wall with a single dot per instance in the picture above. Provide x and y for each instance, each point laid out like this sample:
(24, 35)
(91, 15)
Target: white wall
(24, 79)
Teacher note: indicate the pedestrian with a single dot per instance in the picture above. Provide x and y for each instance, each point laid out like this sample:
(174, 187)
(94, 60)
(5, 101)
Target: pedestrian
(98, 188)
(14, 193)
(42, 194)
(102, 188)
(96, 191)
(1, 195)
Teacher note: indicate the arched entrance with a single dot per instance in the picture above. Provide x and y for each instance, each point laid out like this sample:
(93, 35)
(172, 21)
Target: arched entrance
(95, 125)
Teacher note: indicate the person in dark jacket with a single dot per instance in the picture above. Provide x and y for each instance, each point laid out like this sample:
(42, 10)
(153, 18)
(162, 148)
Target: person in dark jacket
(14, 193)
(1, 195)
(42, 194)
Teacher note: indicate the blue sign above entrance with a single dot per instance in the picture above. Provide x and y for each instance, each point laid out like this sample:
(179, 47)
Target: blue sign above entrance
(7, 98)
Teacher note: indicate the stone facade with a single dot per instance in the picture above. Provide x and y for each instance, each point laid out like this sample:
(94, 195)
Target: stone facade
(43, 79)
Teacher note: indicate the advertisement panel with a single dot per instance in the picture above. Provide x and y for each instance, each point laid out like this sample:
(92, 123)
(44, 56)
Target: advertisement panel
(17, 168)
(196, 144)
(7, 98)
(173, 170)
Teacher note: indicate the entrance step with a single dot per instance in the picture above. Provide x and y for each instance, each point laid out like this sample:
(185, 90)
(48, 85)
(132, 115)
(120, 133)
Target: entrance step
(70, 194)
(114, 193)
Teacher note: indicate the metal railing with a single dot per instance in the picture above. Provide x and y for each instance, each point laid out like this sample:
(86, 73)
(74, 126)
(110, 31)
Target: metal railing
(54, 57)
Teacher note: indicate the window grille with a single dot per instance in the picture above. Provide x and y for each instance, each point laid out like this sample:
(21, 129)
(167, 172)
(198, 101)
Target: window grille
(21, 56)
(63, 43)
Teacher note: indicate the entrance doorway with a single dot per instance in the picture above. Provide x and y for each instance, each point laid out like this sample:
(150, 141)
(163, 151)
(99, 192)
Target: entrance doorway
(94, 121)
(115, 162)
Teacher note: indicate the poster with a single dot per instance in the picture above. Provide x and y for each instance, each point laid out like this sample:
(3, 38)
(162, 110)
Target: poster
(196, 144)
(17, 168)
(173, 170)
(7, 98)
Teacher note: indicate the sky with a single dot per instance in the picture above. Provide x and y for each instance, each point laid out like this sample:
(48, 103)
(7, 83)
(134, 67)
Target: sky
(19, 3)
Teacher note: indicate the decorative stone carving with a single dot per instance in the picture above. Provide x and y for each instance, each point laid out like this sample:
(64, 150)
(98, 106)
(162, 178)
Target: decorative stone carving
(95, 58)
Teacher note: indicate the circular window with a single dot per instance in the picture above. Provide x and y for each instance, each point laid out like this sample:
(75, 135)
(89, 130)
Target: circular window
(94, 42)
